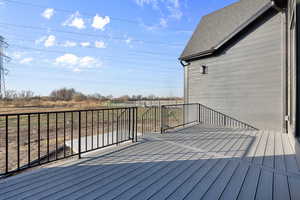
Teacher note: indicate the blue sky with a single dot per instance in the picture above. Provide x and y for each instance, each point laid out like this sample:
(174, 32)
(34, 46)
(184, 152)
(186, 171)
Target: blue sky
(97, 46)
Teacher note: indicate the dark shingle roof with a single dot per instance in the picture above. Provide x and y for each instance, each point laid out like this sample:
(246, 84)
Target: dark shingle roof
(216, 27)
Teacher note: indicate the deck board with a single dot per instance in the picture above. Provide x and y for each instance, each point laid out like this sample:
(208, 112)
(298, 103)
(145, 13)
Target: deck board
(265, 186)
(198, 162)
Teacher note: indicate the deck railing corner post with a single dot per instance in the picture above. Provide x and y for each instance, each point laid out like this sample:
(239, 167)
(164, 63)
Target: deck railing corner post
(162, 119)
(199, 117)
(136, 123)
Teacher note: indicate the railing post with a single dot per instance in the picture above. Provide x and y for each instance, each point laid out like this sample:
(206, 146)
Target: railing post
(133, 124)
(79, 135)
(6, 144)
(117, 133)
(162, 119)
(136, 126)
(155, 118)
(183, 114)
(199, 113)
(129, 122)
(142, 125)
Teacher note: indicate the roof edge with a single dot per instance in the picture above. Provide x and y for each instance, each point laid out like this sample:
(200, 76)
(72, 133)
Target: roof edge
(198, 55)
(230, 36)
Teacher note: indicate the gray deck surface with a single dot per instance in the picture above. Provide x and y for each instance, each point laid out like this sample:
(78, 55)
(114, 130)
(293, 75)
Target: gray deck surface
(193, 163)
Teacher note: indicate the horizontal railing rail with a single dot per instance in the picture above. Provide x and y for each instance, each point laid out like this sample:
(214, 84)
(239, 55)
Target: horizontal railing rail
(36, 138)
(174, 116)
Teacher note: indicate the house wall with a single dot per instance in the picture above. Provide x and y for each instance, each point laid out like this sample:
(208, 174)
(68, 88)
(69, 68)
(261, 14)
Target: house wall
(246, 80)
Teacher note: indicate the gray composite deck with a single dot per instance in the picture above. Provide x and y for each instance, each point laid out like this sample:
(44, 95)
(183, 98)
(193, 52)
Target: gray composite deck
(193, 163)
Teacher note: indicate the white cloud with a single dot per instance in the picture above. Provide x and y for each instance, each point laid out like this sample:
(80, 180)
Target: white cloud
(75, 20)
(26, 60)
(67, 59)
(100, 22)
(17, 55)
(48, 13)
(77, 63)
(50, 41)
(100, 44)
(40, 40)
(171, 10)
(175, 3)
(128, 40)
(175, 12)
(154, 3)
(163, 22)
(69, 44)
(85, 44)
(87, 61)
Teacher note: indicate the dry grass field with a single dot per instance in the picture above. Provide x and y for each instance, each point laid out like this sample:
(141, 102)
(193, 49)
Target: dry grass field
(21, 106)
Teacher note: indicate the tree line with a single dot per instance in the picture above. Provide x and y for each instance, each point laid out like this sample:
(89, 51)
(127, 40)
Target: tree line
(70, 94)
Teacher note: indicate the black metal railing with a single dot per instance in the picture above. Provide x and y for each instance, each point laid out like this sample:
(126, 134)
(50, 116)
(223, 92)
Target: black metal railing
(150, 120)
(174, 116)
(31, 139)
(213, 117)
(177, 115)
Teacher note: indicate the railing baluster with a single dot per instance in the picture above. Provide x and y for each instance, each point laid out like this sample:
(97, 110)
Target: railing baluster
(79, 134)
(56, 135)
(64, 135)
(92, 130)
(136, 114)
(6, 143)
(112, 126)
(86, 130)
(133, 124)
(129, 122)
(98, 129)
(28, 126)
(117, 133)
(18, 140)
(48, 142)
(103, 115)
(72, 132)
(107, 127)
(39, 138)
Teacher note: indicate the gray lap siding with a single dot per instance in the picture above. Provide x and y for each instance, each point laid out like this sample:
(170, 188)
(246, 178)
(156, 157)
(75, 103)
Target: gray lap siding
(246, 80)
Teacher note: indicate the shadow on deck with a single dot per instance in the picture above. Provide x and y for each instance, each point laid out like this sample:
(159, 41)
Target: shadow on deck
(193, 163)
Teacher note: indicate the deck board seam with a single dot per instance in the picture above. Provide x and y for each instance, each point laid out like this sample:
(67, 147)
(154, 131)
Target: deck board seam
(259, 176)
(246, 175)
(288, 182)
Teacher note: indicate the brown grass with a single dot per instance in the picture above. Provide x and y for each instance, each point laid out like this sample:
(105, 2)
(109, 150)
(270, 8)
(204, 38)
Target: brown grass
(21, 106)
